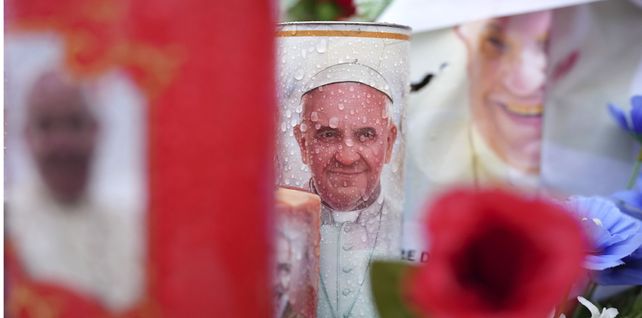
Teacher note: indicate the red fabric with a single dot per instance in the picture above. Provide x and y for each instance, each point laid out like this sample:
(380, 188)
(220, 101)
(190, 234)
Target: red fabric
(211, 157)
(28, 298)
(207, 69)
(496, 254)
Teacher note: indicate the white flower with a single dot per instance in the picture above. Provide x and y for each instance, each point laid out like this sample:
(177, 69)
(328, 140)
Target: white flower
(595, 312)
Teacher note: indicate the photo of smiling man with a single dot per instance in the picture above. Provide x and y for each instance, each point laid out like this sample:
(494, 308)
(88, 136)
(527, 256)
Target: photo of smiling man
(480, 120)
(506, 67)
(346, 137)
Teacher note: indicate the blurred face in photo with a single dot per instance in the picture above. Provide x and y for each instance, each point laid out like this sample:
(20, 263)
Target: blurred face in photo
(346, 136)
(284, 262)
(61, 134)
(506, 71)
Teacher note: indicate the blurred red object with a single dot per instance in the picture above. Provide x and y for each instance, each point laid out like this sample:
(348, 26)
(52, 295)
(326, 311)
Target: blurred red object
(347, 7)
(206, 68)
(496, 254)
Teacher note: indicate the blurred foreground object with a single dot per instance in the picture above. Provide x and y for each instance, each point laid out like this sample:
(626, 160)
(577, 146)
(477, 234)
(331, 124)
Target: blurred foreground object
(61, 238)
(208, 176)
(493, 253)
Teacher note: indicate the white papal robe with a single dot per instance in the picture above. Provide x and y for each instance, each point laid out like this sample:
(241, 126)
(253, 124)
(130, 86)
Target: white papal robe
(349, 242)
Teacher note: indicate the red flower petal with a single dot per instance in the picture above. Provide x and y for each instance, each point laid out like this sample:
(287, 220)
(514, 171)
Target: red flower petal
(496, 254)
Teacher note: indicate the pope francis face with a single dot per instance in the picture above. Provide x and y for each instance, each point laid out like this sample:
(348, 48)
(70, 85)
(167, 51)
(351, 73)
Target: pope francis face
(506, 69)
(345, 137)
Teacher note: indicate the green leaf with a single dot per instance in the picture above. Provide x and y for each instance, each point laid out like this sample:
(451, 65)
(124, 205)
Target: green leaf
(386, 280)
(303, 10)
(636, 308)
(327, 11)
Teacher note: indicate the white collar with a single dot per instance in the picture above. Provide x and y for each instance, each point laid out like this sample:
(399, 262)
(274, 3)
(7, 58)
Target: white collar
(345, 216)
(490, 163)
(330, 216)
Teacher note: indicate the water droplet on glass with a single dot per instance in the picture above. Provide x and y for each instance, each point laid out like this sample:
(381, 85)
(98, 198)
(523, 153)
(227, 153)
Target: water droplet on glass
(314, 116)
(288, 113)
(322, 46)
(317, 126)
(341, 106)
(351, 89)
(283, 127)
(298, 75)
(349, 142)
(303, 127)
(334, 122)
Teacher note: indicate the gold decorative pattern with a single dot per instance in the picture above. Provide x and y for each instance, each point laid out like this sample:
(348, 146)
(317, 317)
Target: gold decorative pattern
(23, 298)
(345, 33)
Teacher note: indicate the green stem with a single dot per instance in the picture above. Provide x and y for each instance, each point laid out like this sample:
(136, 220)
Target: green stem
(636, 171)
(591, 291)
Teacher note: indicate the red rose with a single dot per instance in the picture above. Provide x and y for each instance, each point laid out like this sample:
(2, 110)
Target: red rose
(347, 8)
(496, 254)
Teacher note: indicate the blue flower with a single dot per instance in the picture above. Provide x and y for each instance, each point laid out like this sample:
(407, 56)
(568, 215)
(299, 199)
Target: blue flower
(629, 273)
(614, 234)
(631, 200)
(632, 123)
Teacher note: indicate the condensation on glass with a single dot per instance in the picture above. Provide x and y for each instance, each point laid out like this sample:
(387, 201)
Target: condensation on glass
(342, 93)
